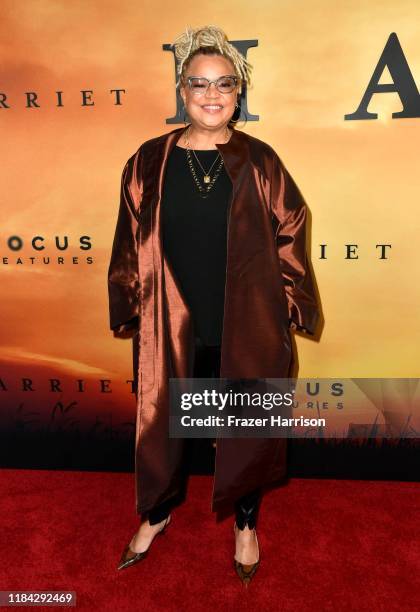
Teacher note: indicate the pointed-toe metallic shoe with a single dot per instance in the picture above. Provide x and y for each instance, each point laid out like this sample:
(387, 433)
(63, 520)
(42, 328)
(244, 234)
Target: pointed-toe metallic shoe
(129, 557)
(245, 571)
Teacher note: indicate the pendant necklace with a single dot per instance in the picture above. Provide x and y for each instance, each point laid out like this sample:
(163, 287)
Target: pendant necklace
(203, 191)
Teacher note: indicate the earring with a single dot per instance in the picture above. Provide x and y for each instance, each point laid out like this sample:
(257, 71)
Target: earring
(185, 117)
(235, 120)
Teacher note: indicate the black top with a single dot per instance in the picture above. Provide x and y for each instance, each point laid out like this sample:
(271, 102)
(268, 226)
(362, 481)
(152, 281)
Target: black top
(194, 236)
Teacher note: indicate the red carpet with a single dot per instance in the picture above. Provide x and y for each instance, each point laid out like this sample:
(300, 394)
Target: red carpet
(325, 545)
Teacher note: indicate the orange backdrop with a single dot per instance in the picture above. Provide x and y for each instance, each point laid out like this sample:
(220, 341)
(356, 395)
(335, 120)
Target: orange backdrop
(61, 169)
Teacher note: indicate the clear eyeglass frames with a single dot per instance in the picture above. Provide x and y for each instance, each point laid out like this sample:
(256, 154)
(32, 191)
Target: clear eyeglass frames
(225, 84)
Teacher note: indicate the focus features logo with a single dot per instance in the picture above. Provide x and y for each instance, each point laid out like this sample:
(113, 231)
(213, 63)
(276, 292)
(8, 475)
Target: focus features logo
(42, 250)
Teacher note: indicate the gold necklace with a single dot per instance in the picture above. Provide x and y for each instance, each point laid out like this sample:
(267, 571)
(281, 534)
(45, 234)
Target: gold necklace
(203, 191)
(207, 178)
(206, 174)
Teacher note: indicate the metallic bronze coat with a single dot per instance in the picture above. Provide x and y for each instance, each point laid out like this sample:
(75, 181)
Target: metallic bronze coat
(269, 285)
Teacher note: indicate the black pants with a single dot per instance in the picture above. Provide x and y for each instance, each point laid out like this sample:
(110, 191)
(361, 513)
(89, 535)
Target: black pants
(207, 365)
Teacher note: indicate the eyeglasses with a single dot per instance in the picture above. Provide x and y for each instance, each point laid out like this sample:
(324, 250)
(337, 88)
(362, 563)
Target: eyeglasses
(225, 84)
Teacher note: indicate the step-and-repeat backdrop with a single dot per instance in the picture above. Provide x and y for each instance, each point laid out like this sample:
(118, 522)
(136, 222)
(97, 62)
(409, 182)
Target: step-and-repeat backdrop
(82, 85)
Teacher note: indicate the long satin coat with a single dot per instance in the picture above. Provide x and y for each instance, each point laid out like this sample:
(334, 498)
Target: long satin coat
(269, 288)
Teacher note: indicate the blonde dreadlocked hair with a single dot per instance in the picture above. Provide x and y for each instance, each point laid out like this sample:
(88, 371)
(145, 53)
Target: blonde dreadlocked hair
(209, 39)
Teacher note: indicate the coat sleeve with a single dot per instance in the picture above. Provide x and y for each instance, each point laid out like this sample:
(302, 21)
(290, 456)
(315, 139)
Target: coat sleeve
(290, 212)
(123, 272)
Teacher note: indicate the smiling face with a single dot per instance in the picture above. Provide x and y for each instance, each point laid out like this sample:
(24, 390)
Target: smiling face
(211, 109)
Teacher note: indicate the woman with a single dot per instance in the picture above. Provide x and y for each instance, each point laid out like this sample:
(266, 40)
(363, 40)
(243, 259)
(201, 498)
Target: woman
(208, 272)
